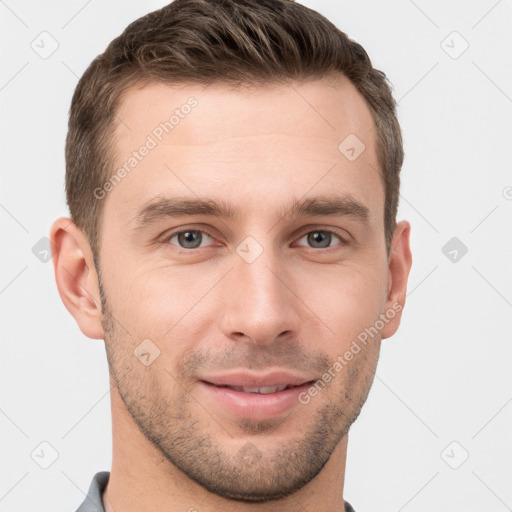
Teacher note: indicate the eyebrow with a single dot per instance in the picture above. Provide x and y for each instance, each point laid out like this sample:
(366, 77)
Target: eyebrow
(176, 207)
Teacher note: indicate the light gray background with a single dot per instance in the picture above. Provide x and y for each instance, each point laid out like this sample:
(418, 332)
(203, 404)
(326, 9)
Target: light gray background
(444, 377)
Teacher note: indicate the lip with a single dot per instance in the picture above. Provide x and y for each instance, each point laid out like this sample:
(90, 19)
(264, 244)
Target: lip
(255, 406)
(248, 379)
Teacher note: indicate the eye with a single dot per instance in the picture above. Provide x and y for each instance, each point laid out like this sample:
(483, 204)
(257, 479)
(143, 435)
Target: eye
(321, 239)
(188, 238)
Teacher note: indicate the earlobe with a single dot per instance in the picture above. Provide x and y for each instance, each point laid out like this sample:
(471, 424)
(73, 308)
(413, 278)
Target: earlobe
(76, 277)
(399, 266)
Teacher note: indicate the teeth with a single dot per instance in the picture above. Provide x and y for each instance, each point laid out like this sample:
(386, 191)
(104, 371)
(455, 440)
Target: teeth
(261, 391)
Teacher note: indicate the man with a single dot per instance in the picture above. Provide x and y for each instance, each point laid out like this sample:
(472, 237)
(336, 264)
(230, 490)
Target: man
(233, 179)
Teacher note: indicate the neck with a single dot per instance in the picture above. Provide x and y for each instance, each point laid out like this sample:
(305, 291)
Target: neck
(141, 478)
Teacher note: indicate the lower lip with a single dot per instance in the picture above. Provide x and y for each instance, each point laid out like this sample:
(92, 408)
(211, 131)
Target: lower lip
(256, 406)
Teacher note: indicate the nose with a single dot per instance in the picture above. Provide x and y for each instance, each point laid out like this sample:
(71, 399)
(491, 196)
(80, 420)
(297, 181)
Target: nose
(260, 305)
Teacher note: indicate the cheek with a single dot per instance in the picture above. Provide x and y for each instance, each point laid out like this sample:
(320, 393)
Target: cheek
(161, 304)
(180, 304)
(347, 300)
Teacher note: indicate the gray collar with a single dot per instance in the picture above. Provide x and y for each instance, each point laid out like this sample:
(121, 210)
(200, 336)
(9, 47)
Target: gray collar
(93, 501)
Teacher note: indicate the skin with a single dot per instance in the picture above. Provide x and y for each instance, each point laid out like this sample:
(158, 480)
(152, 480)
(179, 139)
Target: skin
(298, 305)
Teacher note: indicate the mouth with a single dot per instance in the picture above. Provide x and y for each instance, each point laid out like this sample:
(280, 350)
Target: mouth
(264, 390)
(256, 397)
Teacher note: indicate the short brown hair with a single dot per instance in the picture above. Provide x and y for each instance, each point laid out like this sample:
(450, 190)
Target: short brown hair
(238, 42)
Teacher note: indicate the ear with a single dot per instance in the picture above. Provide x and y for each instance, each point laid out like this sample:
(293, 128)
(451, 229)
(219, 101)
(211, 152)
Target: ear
(399, 264)
(76, 277)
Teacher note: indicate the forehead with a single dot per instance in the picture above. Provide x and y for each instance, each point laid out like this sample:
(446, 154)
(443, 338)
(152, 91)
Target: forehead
(240, 144)
(317, 108)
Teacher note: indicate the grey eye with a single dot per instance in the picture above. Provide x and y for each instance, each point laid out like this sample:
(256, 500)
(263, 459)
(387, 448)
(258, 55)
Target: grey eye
(189, 239)
(320, 239)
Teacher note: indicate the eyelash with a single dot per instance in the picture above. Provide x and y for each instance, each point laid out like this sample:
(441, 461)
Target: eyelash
(169, 236)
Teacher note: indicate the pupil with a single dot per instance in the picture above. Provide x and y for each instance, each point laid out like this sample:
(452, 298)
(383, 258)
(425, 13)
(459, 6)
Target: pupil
(187, 237)
(320, 236)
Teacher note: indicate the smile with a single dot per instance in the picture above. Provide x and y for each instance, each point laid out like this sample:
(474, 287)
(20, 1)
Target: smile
(253, 396)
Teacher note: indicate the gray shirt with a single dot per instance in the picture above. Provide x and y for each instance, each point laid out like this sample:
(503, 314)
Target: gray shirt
(94, 503)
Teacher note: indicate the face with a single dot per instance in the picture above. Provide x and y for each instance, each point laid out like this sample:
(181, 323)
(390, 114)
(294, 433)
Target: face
(221, 319)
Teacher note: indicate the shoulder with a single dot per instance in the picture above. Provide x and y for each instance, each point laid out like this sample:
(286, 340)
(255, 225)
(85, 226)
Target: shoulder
(93, 501)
